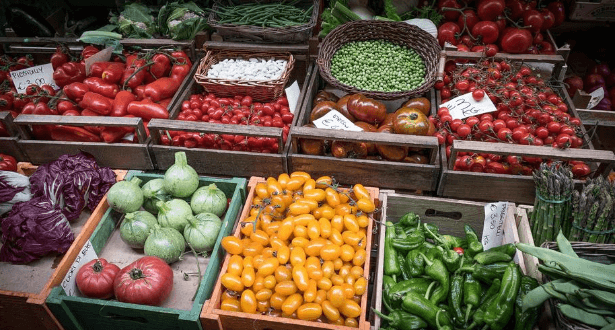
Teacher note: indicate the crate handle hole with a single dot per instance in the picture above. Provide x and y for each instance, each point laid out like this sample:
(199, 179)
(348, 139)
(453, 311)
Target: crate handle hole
(120, 317)
(436, 213)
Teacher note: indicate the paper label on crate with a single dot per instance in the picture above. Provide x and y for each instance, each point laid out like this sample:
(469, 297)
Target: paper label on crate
(38, 75)
(597, 96)
(493, 227)
(102, 56)
(86, 254)
(335, 120)
(292, 95)
(465, 106)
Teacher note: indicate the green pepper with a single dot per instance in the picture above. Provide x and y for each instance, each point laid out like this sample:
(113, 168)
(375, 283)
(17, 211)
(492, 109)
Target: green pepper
(436, 252)
(399, 290)
(391, 265)
(415, 303)
(415, 263)
(399, 232)
(471, 295)
(387, 283)
(402, 320)
(410, 219)
(510, 249)
(440, 326)
(525, 320)
(489, 257)
(499, 267)
(486, 299)
(454, 241)
(452, 260)
(481, 273)
(405, 270)
(455, 298)
(500, 310)
(431, 231)
(491, 292)
(403, 246)
(437, 271)
(474, 244)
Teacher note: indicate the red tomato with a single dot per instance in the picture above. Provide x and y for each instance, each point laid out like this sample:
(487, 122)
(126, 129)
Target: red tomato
(515, 41)
(548, 19)
(478, 94)
(488, 10)
(533, 19)
(470, 17)
(147, 281)
(95, 279)
(487, 30)
(459, 250)
(448, 32)
(559, 12)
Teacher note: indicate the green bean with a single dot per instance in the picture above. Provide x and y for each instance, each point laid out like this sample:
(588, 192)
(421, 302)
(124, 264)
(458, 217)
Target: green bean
(583, 316)
(604, 296)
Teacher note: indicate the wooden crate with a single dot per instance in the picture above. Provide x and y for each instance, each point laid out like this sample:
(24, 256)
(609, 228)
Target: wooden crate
(178, 311)
(395, 175)
(114, 155)
(239, 320)
(512, 188)
(8, 145)
(226, 162)
(449, 215)
(24, 288)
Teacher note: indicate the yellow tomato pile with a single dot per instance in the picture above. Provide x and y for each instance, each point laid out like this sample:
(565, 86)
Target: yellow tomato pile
(306, 256)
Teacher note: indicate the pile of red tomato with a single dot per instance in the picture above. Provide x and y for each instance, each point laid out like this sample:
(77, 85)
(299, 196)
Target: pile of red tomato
(529, 112)
(510, 26)
(238, 110)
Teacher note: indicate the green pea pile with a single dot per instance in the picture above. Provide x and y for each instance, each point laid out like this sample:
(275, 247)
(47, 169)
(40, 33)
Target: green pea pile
(378, 65)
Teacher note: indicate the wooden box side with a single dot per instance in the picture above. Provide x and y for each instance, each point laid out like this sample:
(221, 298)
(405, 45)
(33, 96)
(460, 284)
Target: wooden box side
(8, 144)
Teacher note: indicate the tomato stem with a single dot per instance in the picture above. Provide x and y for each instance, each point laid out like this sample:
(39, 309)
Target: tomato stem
(97, 266)
(136, 274)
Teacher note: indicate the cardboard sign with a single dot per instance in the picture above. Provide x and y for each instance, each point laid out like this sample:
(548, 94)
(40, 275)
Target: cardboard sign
(335, 120)
(292, 95)
(493, 228)
(465, 106)
(86, 254)
(102, 56)
(38, 75)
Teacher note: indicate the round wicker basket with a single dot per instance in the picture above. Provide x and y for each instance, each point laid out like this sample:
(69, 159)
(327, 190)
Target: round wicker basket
(399, 33)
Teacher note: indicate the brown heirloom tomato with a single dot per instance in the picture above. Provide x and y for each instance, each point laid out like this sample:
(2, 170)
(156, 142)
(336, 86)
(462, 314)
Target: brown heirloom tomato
(371, 148)
(324, 96)
(410, 121)
(343, 149)
(312, 146)
(366, 109)
(321, 109)
(391, 152)
(420, 103)
(416, 158)
(342, 107)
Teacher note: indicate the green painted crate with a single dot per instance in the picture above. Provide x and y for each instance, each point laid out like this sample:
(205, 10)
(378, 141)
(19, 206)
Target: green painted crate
(85, 313)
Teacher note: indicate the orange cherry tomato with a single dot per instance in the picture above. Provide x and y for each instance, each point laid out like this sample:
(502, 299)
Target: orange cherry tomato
(283, 254)
(235, 265)
(262, 306)
(318, 195)
(297, 256)
(232, 245)
(248, 301)
(310, 294)
(300, 242)
(332, 197)
(247, 226)
(269, 282)
(360, 192)
(325, 227)
(252, 249)
(292, 303)
(273, 186)
(268, 266)
(261, 190)
(324, 284)
(344, 196)
(337, 223)
(366, 205)
(300, 276)
(336, 296)
(310, 202)
(286, 288)
(338, 263)
(298, 208)
(313, 247)
(248, 262)
(282, 273)
(344, 271)
(228, 294)
(231, 305)
(337, 279)
(345, 208)
(277, 300)
(309, 184)
(258, 283)
(339, 321)
(312, 263)
(313, 229)
(295, 183)
(272, 228)
(309, 311)
(258, 260)
(324, 182)
(302, 174)
(278, 201)
(349, 279)
(350, 238)
(276, 242)
(347, 253)
(351, 322)
(263, 294)
(350, 223)
(268, 252)
(349, 308)
(330, 311)
(363, 220)
(330, 252)
(328, 268)
(300, 231)
(348, 289)
(232, 282)
(359, 258)
(283, 179)
(360, 286)
(247, 276)
(336, 238)
(303, 219)
(321, 295)
(286, 229)
(356, 271)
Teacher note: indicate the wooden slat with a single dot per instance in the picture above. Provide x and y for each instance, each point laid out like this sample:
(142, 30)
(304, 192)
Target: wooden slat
(429, 142)
(597, 117)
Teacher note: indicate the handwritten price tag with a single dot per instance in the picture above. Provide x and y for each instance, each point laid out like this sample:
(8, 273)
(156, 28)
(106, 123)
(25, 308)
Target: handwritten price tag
(292, 95)
(86, 254)
(102, 56)
(38, 75)
(465, 106)
(493, 228)
(335, 120)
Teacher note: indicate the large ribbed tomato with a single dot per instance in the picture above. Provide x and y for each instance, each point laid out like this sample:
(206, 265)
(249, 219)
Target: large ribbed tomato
(147, 281)
(95, 279)
(410, 121)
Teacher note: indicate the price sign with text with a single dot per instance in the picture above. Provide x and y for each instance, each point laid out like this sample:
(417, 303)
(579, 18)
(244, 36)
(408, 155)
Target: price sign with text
(38, 75)
(335, 120)
(465, 106)
(493, 227)
(86, 254)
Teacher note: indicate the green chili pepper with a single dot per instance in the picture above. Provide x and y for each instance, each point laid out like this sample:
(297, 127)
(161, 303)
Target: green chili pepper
(486, 300)
(415, 303)
(399, 290)
(510, 249)
(437, 270)
(387, 283)
(391, 265)
(454, 241)
(481, 273)
(399, 232)
(471, 295)
(499, 267)
(431, 231)
(525, 320)
(474, 244)
(489, 257)
(441, 326)
(455, 298)
(500, 310)
(401, 320)
(452, 260)
(436, 252)
(415, 263)
(405, 270)
(491, 292)
(410, 219)
(407, 244)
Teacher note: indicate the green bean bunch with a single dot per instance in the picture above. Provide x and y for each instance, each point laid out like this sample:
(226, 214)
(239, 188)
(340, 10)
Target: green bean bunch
(273, 14)
(378, 65)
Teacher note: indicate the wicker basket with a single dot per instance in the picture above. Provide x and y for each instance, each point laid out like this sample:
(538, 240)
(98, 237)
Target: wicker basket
(602, 253)
(259, 90)
(289, 34)
(397, 32)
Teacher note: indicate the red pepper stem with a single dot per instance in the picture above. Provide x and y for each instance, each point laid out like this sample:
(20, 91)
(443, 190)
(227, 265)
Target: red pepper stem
(150, 63)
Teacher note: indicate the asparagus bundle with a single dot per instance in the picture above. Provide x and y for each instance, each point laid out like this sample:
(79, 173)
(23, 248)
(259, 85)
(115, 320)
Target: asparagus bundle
(592, 216)
(552, 206)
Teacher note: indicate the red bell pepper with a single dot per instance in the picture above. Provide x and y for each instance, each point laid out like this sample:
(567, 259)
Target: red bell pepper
(181, 57)
(98, 85)
(113, 73)
(120, 103)
(69, 72)
(97, 103)
(75, 91)
(161, 89)
(8, 163)
(97, 69)
(73, 133)
(147, 110)
(161, 67)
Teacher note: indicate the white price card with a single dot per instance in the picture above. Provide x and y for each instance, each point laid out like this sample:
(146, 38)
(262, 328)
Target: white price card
(86, 254)
(335, 120)
(102, 56)
(597, 96)
(38, 75)
(493, 227)
(465, 106)
(292, 95)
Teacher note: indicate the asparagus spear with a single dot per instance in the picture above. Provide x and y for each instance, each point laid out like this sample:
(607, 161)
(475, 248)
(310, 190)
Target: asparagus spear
(601, 224)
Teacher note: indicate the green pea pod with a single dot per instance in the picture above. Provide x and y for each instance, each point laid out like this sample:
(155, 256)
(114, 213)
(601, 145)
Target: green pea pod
(489, 257)
(525, 320)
